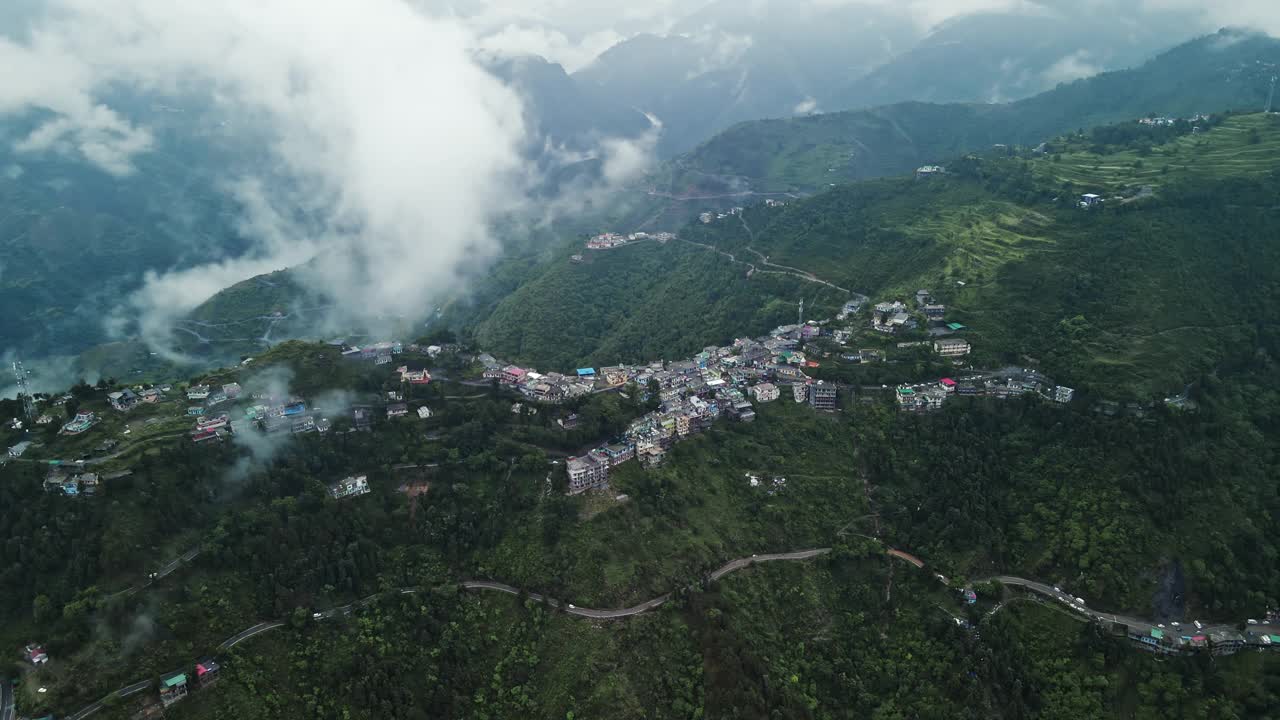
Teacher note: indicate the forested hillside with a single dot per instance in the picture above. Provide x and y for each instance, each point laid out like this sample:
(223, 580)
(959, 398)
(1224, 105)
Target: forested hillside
(1103, 505)
(1128, 300)
(1230, 70)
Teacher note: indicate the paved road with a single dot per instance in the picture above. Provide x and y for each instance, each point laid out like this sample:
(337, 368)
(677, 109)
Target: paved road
(72, 464)
(123, 692)
(163, 572)
(1140, 625)
(647, 605)
(246, 634)
(6, 699)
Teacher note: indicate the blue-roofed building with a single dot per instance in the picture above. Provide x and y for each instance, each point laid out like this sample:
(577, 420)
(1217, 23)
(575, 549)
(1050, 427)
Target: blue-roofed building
(586, 372)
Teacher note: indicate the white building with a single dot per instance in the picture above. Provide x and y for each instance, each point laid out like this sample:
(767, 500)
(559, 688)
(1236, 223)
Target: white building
(765, 392)
(424, 412)
(951, 347)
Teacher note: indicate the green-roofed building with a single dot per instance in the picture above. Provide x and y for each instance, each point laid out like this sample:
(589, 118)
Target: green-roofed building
(173, 687)
(1157, 633)
(955, 327)
(1275, 639)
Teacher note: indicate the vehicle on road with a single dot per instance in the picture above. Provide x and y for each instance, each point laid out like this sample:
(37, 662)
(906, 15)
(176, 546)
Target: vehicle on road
(1057, 589)
(1198, 625)
(316, 616)
(572, 606)
(1080, 602)
(1251, 621)
(152, 576)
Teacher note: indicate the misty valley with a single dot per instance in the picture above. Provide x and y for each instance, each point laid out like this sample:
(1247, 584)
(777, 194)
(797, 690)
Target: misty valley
(784, 359)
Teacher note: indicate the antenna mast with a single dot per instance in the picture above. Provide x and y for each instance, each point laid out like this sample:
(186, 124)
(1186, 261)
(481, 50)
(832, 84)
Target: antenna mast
(24, 392)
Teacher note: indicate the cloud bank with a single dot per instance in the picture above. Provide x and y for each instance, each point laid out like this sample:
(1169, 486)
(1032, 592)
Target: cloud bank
(387, 148)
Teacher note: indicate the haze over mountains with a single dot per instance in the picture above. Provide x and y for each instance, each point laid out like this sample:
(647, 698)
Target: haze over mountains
(232, 154)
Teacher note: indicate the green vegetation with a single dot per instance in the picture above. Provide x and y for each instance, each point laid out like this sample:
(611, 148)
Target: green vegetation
(1020, 487)
(643, 302)
(1129, 300)
(1229, 70)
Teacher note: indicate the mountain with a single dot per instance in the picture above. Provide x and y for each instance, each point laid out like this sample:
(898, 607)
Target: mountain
(561, 112)
(1005, 56)
(1230, 69)
(727, 63)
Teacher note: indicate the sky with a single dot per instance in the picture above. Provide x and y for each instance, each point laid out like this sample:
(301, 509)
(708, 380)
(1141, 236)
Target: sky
(389, 151)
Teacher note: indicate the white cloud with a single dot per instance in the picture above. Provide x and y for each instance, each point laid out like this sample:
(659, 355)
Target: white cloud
(805, 107)
(1072, 67)
(516, 40)
(1257, 14)
(383, 133)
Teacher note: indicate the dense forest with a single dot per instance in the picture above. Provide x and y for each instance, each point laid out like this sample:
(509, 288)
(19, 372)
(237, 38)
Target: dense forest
(1104, 504)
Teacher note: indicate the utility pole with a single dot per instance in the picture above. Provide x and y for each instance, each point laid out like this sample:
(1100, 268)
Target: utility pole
(24, 391)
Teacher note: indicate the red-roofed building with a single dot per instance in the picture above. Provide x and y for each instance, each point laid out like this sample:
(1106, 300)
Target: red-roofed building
(513, 375)
(948, 384)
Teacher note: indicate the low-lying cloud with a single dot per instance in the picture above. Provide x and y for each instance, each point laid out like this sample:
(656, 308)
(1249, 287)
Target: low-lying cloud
(387, 149)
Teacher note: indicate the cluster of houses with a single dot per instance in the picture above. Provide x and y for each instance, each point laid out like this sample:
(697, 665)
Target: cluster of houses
(1222, 640)
(894, 317)
(610, 240)
(927, 397)
(542, 387)
(77, 484)
(175, 686)
(719, 382)
(929, 171)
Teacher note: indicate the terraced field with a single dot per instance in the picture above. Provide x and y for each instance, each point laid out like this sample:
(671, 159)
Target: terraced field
(1242, 146)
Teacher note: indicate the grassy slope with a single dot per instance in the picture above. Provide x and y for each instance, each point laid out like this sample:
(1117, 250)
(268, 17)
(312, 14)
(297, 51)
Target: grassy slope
(1243, 146)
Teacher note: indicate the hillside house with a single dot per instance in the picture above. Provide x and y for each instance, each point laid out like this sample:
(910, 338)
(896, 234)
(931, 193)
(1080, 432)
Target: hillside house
(823, 396)
(951, 347)
(231, 391)
(513, 375)
(18, 450)
(765, 392)
(930, 171)
(1090, 200)
(923, 297)
(397, 410)
(173, 687)
(935, 312)
(207, 671)
(350, 487)
(424, 413)
(151, 396)
(586, 473)
(80, 423)
(198, 392)
(124, 400)
(800, 393)
(1063, 394)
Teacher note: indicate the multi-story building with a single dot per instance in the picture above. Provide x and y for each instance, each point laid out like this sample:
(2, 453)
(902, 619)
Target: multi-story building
(586, 473)
(765, 392)
(1063, 394)
(951, 347)
(823, 396)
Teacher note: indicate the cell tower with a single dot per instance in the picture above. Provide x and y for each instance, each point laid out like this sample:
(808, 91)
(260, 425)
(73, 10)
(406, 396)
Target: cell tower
(801, 322)
(1271, 95)
(24, 392)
